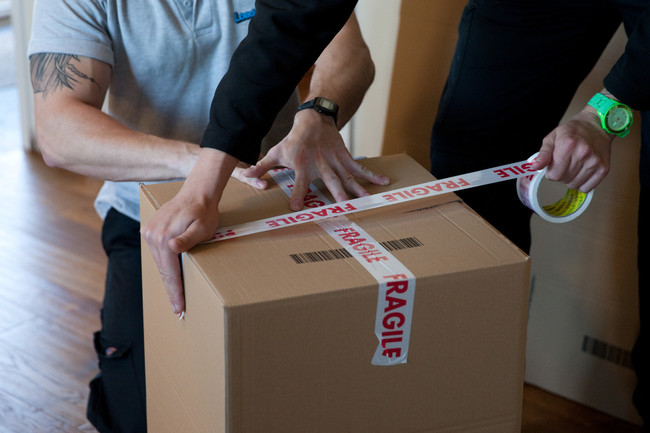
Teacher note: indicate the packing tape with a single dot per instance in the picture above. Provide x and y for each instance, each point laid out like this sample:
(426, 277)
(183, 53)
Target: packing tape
(396, 283)
(566, 209)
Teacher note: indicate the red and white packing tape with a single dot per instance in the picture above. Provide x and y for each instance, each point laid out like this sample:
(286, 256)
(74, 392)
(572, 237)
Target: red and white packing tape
(566, 209)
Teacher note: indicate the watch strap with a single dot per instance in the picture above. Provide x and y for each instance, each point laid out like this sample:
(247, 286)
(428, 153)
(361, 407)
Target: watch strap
(603, 104)
(322, 105)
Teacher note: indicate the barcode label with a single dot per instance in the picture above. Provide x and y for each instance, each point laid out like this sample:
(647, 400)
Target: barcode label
(607, 351)
(342, 253)
(401, 244)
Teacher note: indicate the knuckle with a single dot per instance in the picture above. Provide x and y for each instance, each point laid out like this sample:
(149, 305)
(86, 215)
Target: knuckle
(571, 142)
(348, 179)
(552, 175)
(583, 152)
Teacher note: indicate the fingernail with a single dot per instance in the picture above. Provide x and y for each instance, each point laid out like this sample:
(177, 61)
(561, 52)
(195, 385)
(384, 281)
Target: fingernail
(181, 315)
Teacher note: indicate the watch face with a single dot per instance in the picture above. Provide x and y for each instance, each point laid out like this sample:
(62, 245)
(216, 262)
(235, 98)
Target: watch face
(327, 104)
(618, 118)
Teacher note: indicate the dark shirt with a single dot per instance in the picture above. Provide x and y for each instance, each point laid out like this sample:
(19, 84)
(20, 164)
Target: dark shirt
(629, 79)
(284, 40)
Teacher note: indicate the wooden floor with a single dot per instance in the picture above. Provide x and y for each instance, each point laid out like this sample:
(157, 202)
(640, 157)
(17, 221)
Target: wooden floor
(51, 284)
(51, 268)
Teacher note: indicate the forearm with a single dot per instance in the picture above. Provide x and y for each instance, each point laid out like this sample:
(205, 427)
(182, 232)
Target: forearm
(209, 177)
(343, 72)
(81, 138)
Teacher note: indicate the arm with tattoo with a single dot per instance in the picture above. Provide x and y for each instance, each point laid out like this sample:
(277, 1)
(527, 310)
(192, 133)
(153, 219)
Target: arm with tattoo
(73, 133)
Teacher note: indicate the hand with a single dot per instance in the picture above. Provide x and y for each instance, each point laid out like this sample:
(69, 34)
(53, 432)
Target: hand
(314, 149)
(577, 152)
(191, 217)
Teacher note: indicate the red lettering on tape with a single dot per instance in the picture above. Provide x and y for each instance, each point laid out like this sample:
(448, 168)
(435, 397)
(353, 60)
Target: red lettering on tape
(392, 353)
(366, 249)
(224, 234)
(395, 308)
(373, 256)
(394, 302)
(393, 321)
(514, 170)
(396, 276)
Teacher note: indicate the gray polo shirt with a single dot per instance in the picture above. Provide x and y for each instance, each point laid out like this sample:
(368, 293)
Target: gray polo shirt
(167, 57)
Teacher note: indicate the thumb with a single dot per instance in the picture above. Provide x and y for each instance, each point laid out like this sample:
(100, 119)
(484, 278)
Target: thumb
(191, 237)
(545, 155)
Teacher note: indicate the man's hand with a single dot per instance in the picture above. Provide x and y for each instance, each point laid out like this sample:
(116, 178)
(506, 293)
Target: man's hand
(190, 218)
(314, 149)
(577, 152)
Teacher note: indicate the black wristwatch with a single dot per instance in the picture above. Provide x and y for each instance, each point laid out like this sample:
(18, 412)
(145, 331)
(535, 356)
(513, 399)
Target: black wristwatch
(322, 105)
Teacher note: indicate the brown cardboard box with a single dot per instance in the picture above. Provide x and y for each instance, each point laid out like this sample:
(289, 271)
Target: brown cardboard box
(274, 344)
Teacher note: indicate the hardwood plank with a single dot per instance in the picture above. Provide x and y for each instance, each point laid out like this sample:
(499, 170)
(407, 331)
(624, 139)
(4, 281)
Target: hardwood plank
(18, 417)
(51, 344)
(51, 284)
(50, 229)
(11, 314)
(75, 313)
(544, 412)
(33, 389)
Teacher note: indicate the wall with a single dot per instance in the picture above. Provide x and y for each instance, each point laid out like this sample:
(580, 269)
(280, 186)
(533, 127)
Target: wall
(412, 43)
(379, 21)
(21, 18)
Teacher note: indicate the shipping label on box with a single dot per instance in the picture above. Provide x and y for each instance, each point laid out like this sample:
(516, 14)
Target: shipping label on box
(281, 328)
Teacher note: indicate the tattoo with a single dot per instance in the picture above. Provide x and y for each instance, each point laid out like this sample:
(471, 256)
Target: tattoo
(51, 72)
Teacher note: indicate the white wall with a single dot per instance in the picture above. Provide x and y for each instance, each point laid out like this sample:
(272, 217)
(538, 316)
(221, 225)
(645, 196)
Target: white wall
(21, 18)
(379, 21)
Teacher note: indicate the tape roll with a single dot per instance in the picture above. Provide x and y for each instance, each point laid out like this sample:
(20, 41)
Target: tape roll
(568, 208)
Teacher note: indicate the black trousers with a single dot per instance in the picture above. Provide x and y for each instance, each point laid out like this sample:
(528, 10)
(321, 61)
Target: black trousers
(117, 394)
(516, 68)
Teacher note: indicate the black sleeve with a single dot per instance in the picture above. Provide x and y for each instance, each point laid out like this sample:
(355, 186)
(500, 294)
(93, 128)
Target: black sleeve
(285, 37)
(629, 79)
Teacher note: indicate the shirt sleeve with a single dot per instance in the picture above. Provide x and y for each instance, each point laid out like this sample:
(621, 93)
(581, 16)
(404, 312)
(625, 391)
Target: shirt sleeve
(284, 39)
(629, 79)
(76, 27)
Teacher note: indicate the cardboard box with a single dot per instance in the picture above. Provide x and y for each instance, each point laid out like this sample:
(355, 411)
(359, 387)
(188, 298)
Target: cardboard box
(579, 347)
(279, 333)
